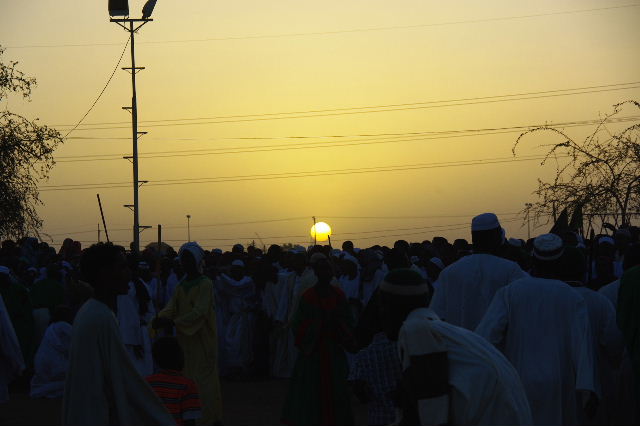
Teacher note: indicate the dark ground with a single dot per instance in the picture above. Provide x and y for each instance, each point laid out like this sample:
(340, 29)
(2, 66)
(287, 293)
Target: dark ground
(245, 403)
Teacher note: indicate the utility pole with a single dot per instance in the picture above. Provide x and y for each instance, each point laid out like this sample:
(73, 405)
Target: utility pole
(132, 26)
(188, 228)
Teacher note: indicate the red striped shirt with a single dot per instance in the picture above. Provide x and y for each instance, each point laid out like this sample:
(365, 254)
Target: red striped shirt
(178, 393)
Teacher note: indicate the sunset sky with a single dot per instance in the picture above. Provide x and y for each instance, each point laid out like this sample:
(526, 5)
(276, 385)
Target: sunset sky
(219, 75)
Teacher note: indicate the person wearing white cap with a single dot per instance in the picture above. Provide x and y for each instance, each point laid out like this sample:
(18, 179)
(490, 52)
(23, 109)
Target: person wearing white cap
(541, 325)
(465, 288)
(12, 363)
(191, 310)
(237, 294)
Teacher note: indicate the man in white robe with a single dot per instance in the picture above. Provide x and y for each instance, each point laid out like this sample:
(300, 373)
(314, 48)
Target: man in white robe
(11, 361)
(52, 358)
(103, 387)
(450, 374)
(541, 325)
(607, 341)
(465, 288)
(238, 292)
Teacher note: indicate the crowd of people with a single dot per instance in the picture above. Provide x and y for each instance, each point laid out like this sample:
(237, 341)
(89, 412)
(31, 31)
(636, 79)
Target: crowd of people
(492, 331)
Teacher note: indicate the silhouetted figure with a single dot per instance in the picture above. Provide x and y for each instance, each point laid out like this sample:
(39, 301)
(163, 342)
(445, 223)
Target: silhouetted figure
(103, 387)
(318, 392)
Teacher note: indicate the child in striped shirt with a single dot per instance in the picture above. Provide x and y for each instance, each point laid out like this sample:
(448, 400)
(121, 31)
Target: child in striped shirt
(178, 393)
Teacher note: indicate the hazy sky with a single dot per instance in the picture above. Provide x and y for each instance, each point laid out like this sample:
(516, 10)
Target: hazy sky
(244, 60)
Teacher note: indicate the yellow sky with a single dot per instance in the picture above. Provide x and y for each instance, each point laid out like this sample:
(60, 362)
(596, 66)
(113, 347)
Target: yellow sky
(239, 74)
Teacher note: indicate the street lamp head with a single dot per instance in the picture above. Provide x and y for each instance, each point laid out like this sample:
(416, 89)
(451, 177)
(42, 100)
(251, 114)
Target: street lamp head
(147, 9)
(118, 7)
(188, 216)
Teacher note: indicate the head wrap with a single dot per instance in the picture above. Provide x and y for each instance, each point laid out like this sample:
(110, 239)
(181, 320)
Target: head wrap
(404, 282)
(548, 247)
(197, 252)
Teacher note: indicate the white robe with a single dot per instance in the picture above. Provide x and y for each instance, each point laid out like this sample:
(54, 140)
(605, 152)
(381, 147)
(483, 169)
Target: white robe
(11, 361)
(542, 327)
(103, 387)
(369, 287)
(485, 388)
(350, 287)
(281, 341)
(134, 330)
(608, 347)
(465, 288)
(238, 322)
(52, 362)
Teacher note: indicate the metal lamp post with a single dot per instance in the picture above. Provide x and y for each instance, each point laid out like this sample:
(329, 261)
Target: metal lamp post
(119, 12)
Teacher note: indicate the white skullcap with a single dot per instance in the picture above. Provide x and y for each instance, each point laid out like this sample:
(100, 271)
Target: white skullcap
(548, 247)
(485, 222)
(606, 240)
(216, 251)
(4, 270)
(436, 261)
(238, 262)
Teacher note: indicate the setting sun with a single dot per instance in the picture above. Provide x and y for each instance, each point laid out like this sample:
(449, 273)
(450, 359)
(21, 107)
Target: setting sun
(320, 231)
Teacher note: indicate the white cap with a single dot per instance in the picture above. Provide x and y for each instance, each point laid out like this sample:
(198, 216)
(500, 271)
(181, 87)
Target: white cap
(216, 251)
(485, 222)
(548, 247)
(238, 262)
(4, 270)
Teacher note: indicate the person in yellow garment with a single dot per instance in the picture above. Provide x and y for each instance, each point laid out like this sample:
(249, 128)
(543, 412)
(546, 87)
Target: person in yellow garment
(191, 310)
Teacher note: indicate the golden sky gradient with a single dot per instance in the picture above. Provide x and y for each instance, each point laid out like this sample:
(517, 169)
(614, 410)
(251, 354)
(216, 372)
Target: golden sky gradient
(217, 59)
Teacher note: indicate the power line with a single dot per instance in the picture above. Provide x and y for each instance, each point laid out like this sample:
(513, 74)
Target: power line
(101, 92)
(374, 109)
(328, 144)
(345, 31)
(290, 175)
(367, 135)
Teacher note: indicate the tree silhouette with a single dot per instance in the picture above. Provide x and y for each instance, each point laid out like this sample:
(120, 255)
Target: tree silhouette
(601, 174)
(26, 156)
